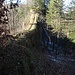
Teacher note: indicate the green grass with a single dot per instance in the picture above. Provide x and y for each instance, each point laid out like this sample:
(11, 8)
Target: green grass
(72, 36)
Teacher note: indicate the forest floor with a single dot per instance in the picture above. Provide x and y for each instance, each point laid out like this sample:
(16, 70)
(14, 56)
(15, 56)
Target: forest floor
(20, 58)
(59, 65)
(41, 62)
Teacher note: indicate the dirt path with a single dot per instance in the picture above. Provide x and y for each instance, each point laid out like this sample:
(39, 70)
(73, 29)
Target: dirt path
(62, 66)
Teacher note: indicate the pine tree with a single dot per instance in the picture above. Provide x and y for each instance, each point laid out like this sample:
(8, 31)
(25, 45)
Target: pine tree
(54, 13)
(41, 6)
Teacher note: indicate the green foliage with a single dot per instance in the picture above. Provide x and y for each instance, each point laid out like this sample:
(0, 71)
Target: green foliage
(70, 17)
(54, 10)
(40, 6)
(21, 12)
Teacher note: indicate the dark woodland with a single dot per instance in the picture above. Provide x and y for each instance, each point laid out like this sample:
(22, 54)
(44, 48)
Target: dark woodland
(37, 37)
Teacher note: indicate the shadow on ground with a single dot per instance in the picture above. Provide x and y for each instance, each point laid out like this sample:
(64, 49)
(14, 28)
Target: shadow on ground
(24, 56)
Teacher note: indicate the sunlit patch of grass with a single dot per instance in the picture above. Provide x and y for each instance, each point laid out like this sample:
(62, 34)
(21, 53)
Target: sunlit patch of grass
(72, 36)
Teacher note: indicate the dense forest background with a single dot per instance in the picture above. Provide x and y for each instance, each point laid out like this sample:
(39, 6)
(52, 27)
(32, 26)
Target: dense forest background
(58, 17)
(61, 20)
